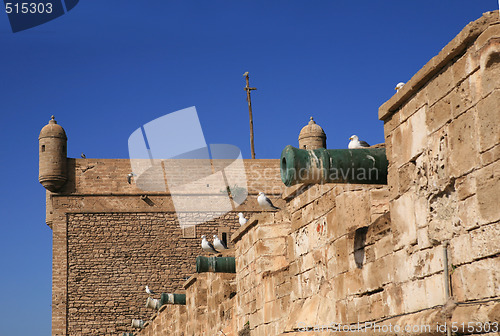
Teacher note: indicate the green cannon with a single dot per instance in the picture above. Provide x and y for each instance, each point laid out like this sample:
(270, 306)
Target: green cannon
(319, 166)
(215, 264)
(167, 298)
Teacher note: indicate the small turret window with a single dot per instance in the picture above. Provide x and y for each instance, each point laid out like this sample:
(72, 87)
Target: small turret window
(43, 148)
(64, 148)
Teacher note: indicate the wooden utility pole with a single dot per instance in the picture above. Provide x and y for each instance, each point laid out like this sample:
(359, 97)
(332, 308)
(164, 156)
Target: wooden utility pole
(248, 89)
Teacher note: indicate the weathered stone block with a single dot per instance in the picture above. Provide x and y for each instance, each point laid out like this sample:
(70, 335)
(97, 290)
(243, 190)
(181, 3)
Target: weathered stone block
(407, 176)
(391, 123)
(434, 290)
(309, 311)
(353, 209)
(393, 181)
(403, 270)
(412, 105)
(337, 255)
(459, 250)
(488, 192)
(272, 231)
(327, 310)
(463, 144)
(333, 226)
(488, 115)
(440, 85)
(403, 219)
(476, 280)
(272, 246)
(490, 156)
(353, 282)
(423, 238)
(415, 296)
(464, 96)
(397, 157)
(464, 67)
(439, 114)
(443, 222)
(436, 167)
(485, 241)
(427, 262)
(383, 247)
(415, 136)
(358, 309)
(270, 263)
(377, 273)
(465, 186)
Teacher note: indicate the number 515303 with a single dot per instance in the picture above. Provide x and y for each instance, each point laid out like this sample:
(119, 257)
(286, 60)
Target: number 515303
(28, 7)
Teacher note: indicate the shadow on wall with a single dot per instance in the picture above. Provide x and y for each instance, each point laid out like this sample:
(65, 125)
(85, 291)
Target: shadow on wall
(359, 246)
(369, 235)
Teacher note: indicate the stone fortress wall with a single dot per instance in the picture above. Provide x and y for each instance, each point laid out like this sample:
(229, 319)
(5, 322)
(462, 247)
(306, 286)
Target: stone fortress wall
(354, 256)
(336, 255)
(109, 242)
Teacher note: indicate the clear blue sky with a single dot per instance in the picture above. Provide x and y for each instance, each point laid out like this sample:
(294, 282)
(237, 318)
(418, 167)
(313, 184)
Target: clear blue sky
(109, 66)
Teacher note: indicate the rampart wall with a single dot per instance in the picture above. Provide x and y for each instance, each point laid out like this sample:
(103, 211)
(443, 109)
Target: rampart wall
(109, 240)
(380, 259)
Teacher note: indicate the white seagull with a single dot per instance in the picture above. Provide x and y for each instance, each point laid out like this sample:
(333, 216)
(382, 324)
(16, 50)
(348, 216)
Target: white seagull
(207, 246)
(242, 219)
(219, 244)
(265, 202)
(149, 291)
(129, 177)
(399, 86)
(356, 143)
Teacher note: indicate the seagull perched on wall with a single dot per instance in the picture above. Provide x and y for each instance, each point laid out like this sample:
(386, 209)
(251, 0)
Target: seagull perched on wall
(245, 74)
(207, 246)
(265, 202)
(149, 291)
(83, 156)
(399, 86)
(242, 219)
(219, 244)
(129, 177)
(356, 143)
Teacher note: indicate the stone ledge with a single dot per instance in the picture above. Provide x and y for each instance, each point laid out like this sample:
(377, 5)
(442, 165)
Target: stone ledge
(189, 282)
(293, 191)
(452, 49)
(244, 228)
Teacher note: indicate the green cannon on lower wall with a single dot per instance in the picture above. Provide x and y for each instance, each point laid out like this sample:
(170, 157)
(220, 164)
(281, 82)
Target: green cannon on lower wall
(167, 298)
(215, 264)
(318, 166)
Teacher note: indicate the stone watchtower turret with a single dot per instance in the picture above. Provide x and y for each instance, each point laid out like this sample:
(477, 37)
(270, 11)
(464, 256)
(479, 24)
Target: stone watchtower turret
(312, 136)
(52, 149)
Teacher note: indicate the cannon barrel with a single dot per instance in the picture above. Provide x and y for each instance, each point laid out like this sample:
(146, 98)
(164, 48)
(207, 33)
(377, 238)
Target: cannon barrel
(215, 264)
(319, 166)
(137, 323)
(167, 298)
